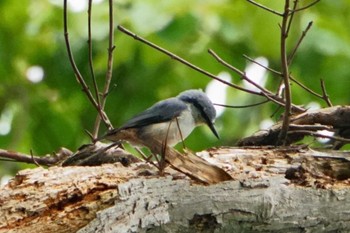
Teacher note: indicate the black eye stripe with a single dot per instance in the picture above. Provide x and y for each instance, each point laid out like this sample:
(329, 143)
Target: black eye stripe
(201, 102)
(201, 110)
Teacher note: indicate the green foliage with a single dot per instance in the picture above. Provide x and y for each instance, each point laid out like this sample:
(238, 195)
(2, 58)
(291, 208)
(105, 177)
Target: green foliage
(54, 113)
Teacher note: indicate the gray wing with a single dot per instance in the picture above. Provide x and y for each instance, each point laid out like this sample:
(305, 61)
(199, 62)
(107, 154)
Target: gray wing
(162, 111)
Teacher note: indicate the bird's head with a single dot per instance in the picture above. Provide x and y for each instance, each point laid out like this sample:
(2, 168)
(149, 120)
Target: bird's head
(202, 108)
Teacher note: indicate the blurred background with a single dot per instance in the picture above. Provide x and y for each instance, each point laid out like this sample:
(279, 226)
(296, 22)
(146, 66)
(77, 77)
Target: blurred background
(43, 108)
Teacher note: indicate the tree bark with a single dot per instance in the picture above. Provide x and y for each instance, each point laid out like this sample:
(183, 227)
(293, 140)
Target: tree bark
(114, 198)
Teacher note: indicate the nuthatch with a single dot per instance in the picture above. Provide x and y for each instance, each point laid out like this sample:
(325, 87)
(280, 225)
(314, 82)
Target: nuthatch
(168, 121)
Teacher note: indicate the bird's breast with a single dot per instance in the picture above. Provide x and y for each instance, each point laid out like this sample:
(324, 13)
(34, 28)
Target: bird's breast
(171, 132)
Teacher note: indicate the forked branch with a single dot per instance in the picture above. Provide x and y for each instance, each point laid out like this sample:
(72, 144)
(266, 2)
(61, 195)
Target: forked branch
(77, 73)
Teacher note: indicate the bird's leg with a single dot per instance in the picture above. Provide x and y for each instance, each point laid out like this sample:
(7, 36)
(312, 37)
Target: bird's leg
(147, 158)
(180, 132)
(162, 163)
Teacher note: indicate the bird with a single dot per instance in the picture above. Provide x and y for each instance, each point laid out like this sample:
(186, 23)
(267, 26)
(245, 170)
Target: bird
(168, 121)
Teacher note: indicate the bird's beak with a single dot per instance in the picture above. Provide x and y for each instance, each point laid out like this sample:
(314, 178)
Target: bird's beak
(212, 128)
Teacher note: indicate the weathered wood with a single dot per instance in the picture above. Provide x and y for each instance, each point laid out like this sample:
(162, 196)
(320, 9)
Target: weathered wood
(58, 199)
(335, 118)
(113, 198)
(189, 164)
(98, 153)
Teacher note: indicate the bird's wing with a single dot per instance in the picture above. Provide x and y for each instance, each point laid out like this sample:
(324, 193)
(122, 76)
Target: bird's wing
(162, 111)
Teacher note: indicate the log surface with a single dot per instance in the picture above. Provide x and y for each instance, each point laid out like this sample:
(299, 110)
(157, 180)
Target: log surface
(113, 198)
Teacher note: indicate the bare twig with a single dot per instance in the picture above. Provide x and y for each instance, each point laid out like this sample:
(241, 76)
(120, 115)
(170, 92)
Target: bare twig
(291, 16)
(334, 119)
(305, 7)
(259, 64)
(325, 95)
(279, 107)
(242, 106)
(265, 8)
(304, 87)
(310, 127)
(279, 90)
(111, 48)
(274, 99)
(34, 161)
(47, 160)
(264, 91)
(280, 74)
(89, 134)
(91, 66)
(239, 72)
(77, 73)
(285, 71)
(109, 70)
(177, 58)
(319, 135)
(291, 56)
(93, 77)
(71, 58)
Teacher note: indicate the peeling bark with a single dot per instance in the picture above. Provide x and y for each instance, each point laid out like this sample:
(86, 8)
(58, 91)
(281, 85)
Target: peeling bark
(113, 198)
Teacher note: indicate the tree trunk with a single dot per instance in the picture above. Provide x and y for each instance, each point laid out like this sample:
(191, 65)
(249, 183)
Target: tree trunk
(274, 190)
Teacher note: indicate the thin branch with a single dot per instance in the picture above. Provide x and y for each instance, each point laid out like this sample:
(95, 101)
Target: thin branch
(305, 87)
(177, 58)
(291, 16)
(239, 72)
(275, 111)
(271, 98)
(109, 72)
(310, 127)
(89, 134)
(265, 8)
(280, 74)
(319, 135)
(264, 91)
(71, 58)
(243, 106)
(305, 7)
(47, 160)
(77, 73)
(291, 56)
(91, 66)
(290, 77)
(34, 161)
(325, 95)
(111, 48)
(279, 90)
(259, 64)
(285, 71)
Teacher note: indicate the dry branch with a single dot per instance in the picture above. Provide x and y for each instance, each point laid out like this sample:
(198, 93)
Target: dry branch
(77, 73)
(98, 154)
(336, 118)
(46, 160)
